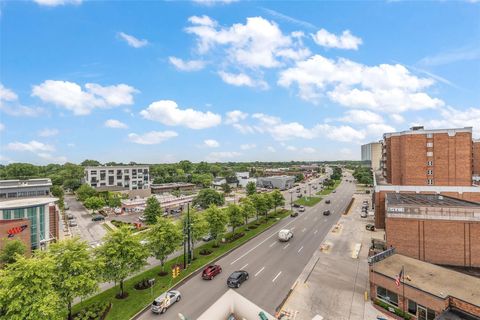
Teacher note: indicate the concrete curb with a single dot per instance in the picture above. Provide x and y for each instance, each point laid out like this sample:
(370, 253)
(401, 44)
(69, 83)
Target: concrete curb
(198, 270)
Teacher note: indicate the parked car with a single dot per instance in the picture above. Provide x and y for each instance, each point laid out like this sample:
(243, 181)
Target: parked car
(207, 238)
(363, 215)
(294, 214)
(70, 216)
(301, 209)
(175, 211)
(211, 271)
(334, 191)
(370, 227)
(285, 235)
(66, 207)
(72, 223)
(237, 278)
(326, 212)
(327, 201)
(296, 205)
(142, 218)
(98, 217)
(165, 301)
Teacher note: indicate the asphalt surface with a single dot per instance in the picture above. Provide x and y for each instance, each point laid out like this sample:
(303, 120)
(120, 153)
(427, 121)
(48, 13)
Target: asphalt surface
(273, 266)
(88, 230)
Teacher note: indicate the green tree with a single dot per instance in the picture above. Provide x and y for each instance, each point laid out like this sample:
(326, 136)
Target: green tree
(164, 237)
(94, 203)
(204, 179)
(72, 184)
(121, 255)
(207, 197)
(251, 188)
(277, 199)
(198, 226)
(259, 203)
(11, 251)
(85, 191)
(248, 209)
(299, 177)
(57, 191)
(268, 203)
(114, 200)
(217, 220)
(186, 166)
(235, 218)
(226, 188)
(152, 210)
(75, 271)
(90, 163)
(27, 290)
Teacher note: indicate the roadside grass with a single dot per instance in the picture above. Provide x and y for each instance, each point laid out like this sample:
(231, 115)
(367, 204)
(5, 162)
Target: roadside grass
(308, 201)
(139, 299)
(327, 191)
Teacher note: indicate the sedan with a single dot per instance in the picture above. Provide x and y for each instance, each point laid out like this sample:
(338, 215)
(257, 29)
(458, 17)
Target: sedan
(72, 223)
(165, 301)
(211, 271)
(98, 217)
(370, 227)
(237, 278)
(302, 209)
(326, 212)
(294, 214)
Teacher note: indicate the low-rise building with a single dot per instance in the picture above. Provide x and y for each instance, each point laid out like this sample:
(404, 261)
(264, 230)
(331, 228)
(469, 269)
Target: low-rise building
(11, 189)
(276, 182)
(116, 178)
(169, 187)
(244, 178)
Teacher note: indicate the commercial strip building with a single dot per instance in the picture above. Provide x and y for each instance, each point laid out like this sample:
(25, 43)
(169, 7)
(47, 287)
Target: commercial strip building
(372, 152)
(169, 187)
(118, 178)
(425, 291)
(276, 182)
(244, 178)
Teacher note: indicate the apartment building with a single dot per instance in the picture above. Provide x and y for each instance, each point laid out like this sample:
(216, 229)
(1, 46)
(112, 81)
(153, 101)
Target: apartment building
(372, 152)
(118, 177)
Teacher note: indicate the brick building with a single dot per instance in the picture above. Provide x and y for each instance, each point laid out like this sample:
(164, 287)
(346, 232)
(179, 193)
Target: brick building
(434, 228)
(476, 161)
(425, 292)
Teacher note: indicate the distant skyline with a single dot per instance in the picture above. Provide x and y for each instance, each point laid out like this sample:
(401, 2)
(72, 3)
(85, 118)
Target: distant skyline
(155, 82)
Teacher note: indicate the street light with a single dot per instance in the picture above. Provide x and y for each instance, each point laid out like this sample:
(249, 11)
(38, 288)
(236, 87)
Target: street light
(291, 208)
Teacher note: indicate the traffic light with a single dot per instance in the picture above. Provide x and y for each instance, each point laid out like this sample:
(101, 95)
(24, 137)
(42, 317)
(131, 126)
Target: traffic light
(175, 271)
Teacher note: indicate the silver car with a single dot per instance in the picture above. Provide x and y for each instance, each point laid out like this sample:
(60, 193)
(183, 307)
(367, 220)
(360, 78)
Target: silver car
(165, 301)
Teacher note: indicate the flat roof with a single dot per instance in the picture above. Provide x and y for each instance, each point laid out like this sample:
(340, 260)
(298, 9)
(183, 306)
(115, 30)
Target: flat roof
(171, 185)
(119, 166)
(429, 200)
(450, 131)
(8, 184)
(26, 202)
(436, 280)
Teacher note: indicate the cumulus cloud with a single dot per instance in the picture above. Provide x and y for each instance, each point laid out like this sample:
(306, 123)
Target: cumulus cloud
(362, 117)
(167, 112)
(454, 118)
(48, 132)
(10, 105)
(308, 150)
(345, 41)
(54, 3)
(132, 41)
(115, 124)
(222, 155)
(247, 146)
(235, 116)
(397, 118)
(7, 94)
(182, 65)
(271, 149)
(152, 137)
(242, 79)
(73, 97)
(211, 143)
(32, 146)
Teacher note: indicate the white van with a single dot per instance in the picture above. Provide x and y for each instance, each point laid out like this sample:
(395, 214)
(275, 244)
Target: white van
(285, 235)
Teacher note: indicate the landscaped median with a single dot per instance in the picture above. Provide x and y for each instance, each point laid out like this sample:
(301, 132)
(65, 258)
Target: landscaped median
(329, 190)
(139, 299)
(308, 201)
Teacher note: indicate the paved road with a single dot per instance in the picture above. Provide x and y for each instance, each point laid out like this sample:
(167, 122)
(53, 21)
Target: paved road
(88, 230)
(273, 266)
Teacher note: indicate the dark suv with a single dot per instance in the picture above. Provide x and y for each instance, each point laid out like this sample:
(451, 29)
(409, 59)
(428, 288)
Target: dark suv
(237, 278)
(211, 271)
(326, 212)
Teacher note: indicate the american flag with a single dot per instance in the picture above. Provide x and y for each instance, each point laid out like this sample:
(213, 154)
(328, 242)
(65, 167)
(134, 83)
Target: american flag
(399, 278)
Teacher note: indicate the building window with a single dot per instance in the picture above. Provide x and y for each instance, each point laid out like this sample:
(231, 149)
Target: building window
(412, 307)
(429, 154)
(387, 296)
(3, 195)
(429, 144)
(93, 172)
(12, 195)
(111, 171)
(32, 216)
(430, 163)
(430, 171)
(430, 182)
(429, 135)
(7, 214)
(424, 313)
(18, 213)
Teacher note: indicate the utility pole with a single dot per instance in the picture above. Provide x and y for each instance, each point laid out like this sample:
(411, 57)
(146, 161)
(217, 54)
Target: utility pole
(185, 245)
(189, 229)
(291, 208)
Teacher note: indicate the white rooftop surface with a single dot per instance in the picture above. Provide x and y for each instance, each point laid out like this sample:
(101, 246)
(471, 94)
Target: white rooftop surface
(26, 202)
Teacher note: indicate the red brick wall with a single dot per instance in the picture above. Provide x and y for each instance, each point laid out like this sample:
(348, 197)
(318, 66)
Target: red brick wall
(476, 157)
(467, 307)
(24, 236)
(54, 221)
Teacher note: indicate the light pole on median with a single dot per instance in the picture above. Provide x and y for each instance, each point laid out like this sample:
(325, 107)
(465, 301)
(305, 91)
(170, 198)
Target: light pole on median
(291, 208)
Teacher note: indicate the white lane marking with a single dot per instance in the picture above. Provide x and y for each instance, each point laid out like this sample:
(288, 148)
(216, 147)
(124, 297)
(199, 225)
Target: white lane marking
(243, 255)
(303, 230)
(273, 243)
(258, 272)
(244, 267)
(300, 249)
(277, 276)
(286, 246)
(315, 231)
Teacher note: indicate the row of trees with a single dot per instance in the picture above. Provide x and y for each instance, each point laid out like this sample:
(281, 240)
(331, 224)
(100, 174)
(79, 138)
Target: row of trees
(363, 175)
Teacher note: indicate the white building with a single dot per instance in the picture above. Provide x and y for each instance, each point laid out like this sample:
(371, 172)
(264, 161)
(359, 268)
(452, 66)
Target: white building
(244, 178)
(276, 182)
(25, 188)
(118, 177)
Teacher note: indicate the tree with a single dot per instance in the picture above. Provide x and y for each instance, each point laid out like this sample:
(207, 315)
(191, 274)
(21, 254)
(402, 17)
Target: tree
(57, 191)
(299, 177)
(186, 166)
(114, 200)
(164, 237)
(235, 218)
(226, 188)
(277, 199)
(94, 203)
(152, 210)
(251, 188)
(205, 179)
(207, 197)
(90, 163)
(248, 210)
(259, 203)
(72, 184)
(27, 290)
(11, 251)
(198, 226)
(121, 255)
(268, 203)
(75, 271)
(85, 191)
(217, 220)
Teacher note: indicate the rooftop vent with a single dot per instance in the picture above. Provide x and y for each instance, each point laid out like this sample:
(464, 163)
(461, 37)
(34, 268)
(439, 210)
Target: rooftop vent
(440, 197)
(415, 128)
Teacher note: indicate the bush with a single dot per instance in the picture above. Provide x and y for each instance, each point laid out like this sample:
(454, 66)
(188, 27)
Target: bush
(397, 311)
(234, 237)
(96, 311)
(205, 252)
(142, 284)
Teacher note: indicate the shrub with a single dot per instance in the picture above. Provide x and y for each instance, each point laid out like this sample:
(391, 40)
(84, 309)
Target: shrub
(234, 237)
(397, 311)
(96, 311)
(142, 284)
(205, 252)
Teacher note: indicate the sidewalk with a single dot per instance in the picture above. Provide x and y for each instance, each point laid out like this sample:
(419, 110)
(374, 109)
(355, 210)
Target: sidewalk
(334, 282)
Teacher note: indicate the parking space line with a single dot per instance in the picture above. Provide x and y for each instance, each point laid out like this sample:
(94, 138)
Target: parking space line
(277, 276)
(273, 243)
(300, 249)
(258, 272)
(286, 246)
(244, 267)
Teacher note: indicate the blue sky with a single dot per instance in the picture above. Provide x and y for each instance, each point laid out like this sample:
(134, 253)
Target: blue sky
(230, 80)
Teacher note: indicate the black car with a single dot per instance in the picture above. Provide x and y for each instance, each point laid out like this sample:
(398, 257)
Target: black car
(237, 278)
(98, 217)
(326, 212)
(327, 201)
(296, 205)
(370, 227)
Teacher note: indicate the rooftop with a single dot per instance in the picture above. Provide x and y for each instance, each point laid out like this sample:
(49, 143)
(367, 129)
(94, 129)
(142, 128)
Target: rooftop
(172, 185)
(438, 281)
(8, 184)
(119, 166)
(421, 130)
(26, 202)
(429, 200)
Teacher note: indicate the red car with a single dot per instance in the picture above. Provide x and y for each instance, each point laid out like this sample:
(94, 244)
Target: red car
(211, 271)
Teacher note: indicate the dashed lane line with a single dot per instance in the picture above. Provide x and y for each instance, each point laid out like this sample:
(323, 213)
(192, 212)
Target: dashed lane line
(278, 274)
(300, 249)
(259, 271)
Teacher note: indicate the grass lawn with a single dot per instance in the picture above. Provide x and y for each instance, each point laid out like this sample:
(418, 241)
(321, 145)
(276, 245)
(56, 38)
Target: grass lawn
(308, 201)
(327, 191)
(138, 299)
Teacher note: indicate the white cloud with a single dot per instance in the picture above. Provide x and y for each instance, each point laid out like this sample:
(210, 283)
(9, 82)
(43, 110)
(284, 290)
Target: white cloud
(241, 79)
(397, 118)
(271, 149)
(192, 65)
(244, 128)
(210, 143)
(116, 124)
(71, 96)
(152, 137)
(283, 131)
(47, 132)
(54, 3)
(454, 118)
(10, 105)
(235, 116)
(222, 155)
(308, 150)
(7, 94)
(345, 41)
(248, 146)
(291, 148)
(341, 133)
(132, 41)
(378, 129)
(51, 158)
(168, 113)
(32, 146)
(361, 116)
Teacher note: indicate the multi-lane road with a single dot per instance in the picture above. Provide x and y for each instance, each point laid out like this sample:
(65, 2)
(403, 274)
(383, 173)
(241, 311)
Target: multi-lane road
(273, 266)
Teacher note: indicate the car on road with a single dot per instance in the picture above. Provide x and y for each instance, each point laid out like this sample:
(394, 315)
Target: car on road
(334, 191)
(285, 235)
(370, 227)
(70, 216)
(176, 211)
(237, 278)
(294, 214)
(327, 201)
(208, 237)
(211, 271)
(98, 217)
(165, 301)
(326, 212)
(296, 205)
(301, 209)
(363, 215)
(72, 223)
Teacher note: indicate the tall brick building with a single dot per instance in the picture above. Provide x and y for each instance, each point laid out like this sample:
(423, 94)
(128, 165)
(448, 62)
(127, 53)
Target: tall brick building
(476, 161)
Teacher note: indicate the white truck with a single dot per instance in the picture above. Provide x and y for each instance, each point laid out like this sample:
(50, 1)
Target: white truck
(285, 235)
